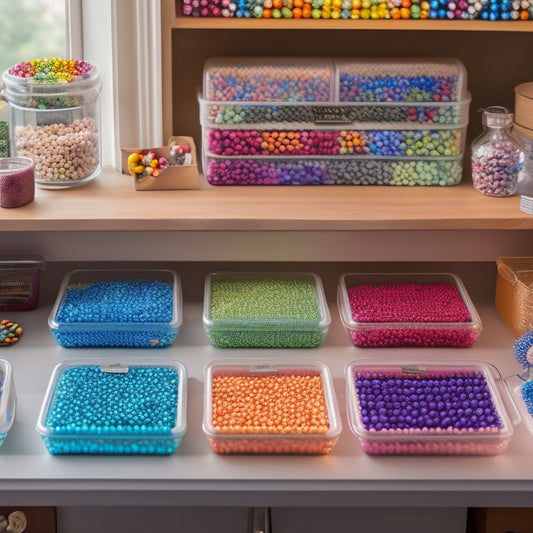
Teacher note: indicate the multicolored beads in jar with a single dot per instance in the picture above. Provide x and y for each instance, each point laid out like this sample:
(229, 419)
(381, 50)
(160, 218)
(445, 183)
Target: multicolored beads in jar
(269, 412)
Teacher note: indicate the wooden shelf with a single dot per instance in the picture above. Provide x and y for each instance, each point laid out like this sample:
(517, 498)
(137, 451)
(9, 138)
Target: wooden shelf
(110, 203)
(207, 23)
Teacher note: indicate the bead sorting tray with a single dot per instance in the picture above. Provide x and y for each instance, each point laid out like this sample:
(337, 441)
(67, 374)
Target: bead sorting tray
(8, 399)
(137, 308)
(407, 310)
(265, 310)
(274, 407)
(103, 407)
(420, 407)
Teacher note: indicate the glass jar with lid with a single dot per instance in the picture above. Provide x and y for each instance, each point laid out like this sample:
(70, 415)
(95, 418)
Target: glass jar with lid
(54, 119)
(497, 156)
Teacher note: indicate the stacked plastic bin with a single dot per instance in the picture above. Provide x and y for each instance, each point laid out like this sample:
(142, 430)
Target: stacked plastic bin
(320, 121)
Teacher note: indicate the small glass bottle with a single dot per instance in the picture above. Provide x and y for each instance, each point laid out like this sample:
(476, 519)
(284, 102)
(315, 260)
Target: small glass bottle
(497, 157)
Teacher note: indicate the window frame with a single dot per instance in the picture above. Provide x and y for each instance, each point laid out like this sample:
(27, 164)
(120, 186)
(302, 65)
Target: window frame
(123, 39)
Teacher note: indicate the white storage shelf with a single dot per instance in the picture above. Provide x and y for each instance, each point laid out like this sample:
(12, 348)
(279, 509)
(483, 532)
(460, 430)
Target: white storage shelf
(195, 475)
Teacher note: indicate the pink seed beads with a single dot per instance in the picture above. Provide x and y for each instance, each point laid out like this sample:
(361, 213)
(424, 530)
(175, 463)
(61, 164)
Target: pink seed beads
(434, 314)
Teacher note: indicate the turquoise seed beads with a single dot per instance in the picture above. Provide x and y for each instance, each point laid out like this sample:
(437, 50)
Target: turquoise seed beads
(97, 412)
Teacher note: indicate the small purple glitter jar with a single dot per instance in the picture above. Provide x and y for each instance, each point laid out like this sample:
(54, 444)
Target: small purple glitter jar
(426, 408)
(17, 181)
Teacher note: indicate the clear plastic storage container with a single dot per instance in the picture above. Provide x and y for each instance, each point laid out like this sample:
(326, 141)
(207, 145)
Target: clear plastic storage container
(407, 310)
(20, 282)
(385, 122)
(273, 407)
(136, 308)
(103, 407)
(265, 310)
(8, 399)
(427, 407)
(54, 119)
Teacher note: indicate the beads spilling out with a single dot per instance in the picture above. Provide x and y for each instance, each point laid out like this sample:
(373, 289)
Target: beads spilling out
(61, 152)
(265, 312)
(362, 9)
(10, 332)
(280, 405)
(97, 412)
(427, 310)
(386, 143)
(324, 171)
(141, 311)
(427, 411)
(52, 70)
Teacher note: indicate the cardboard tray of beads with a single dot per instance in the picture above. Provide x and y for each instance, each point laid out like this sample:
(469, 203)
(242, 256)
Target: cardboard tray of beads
(103, 407)
(427, 407)
(407, 310)
(180, 170)
(270, 407)
(265, 310)
(8, 399)
(288, 121)
(135, 308)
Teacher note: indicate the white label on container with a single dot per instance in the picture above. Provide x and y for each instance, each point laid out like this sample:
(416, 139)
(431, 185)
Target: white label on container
(414, 369)
(263, 368)
(115, 368)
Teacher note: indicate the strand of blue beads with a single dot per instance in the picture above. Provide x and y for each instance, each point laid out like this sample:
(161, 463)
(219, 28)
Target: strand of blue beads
(93, 411)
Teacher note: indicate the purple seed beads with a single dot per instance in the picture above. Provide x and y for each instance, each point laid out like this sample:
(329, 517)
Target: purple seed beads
(448, 411)
(377, 311)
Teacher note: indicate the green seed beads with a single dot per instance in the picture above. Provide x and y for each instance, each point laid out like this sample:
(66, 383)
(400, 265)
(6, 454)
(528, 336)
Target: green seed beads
(265, 311)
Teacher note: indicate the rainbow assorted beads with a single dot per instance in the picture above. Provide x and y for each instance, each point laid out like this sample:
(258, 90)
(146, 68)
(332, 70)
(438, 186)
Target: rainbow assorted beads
(407, 310)
(265, 310)
(270, 407)
(114, 408)
(426, 408)
(131, 308)
(52, 70)
(405, 119)
(362, 9)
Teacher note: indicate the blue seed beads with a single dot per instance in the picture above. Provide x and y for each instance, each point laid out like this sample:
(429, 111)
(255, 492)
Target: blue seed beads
(433, 404)
(141, 311)
(97, 412)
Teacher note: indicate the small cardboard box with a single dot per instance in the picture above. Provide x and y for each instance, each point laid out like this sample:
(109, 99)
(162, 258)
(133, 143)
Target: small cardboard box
(174, 177)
